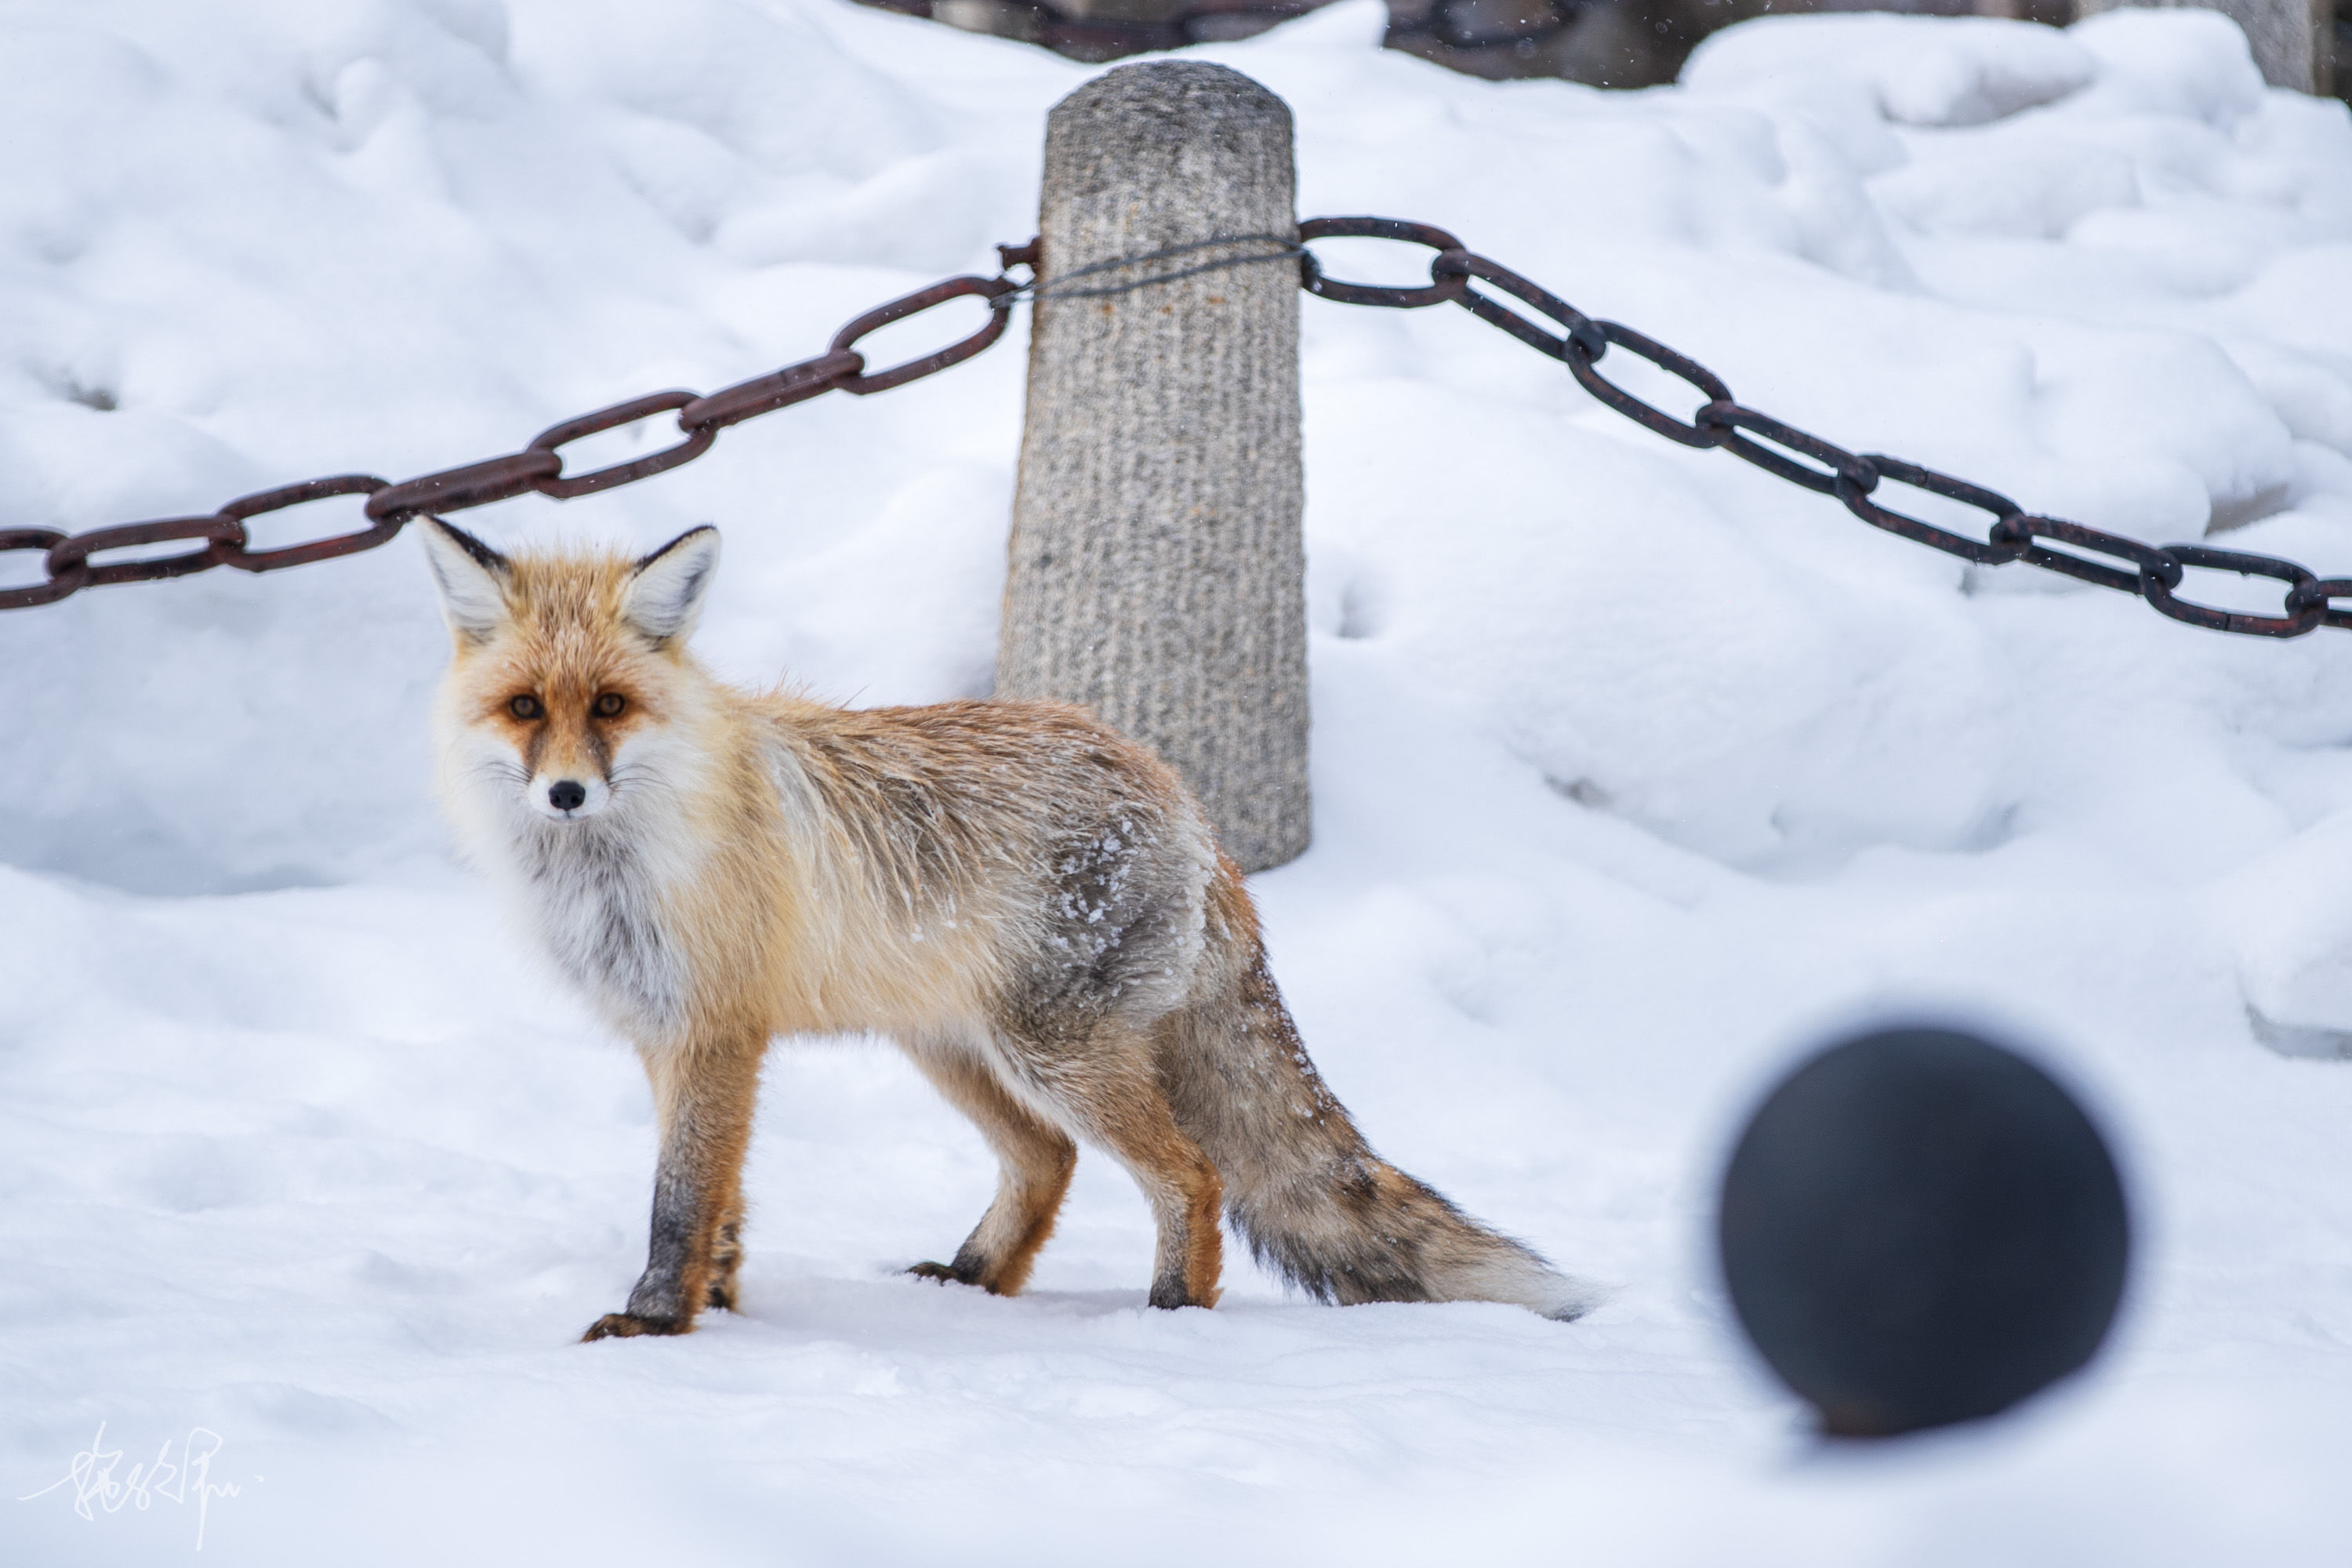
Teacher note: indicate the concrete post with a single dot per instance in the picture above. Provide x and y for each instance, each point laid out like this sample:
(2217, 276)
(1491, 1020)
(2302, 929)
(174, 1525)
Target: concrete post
(1156, 574)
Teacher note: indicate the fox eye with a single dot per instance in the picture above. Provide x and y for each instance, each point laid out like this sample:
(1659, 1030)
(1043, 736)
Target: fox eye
(526, 707)
(609, 706)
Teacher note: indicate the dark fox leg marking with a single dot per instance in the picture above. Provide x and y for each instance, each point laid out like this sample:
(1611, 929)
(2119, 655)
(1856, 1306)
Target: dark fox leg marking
(704, 1095)
(1035, 1161)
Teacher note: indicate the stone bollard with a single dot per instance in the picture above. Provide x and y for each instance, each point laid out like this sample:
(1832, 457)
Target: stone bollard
(1156, 571)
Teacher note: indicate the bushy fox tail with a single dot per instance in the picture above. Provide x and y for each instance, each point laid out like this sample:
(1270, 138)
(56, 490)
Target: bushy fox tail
(1302, 1187)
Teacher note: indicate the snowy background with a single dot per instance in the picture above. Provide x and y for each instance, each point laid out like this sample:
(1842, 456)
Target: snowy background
(1636, 771)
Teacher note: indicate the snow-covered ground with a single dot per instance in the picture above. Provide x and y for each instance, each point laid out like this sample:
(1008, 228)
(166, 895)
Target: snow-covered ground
(1636, 771)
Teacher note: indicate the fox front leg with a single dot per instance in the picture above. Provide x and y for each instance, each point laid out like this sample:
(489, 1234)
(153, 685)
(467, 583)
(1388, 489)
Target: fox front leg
(704, 1096)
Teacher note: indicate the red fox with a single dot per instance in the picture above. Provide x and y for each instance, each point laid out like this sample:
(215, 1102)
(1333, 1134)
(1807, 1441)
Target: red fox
(1026, 902)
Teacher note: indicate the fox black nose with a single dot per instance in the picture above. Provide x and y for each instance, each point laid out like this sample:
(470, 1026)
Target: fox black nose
(565, 795)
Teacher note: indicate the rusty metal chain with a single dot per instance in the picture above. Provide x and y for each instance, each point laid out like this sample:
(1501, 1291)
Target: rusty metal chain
(2108, 559)
(538, 467)
(221, 536)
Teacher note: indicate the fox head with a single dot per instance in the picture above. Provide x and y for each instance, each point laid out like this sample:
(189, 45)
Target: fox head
(570, 672)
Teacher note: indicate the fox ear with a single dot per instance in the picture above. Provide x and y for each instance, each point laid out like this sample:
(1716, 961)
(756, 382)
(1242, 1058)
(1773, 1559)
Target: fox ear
(472, 578)
(664, 597)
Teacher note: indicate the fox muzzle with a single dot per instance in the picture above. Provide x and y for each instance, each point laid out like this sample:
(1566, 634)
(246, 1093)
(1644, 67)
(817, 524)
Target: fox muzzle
(567, 799)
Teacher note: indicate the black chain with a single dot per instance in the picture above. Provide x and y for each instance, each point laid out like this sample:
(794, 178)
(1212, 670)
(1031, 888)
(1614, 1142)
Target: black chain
(2107, 559)
(2150, 572)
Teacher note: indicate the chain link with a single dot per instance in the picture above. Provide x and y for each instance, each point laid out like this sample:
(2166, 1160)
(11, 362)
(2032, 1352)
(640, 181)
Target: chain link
(1443, 286)
(67, 561)
(2148, 571)
(1995, 552)
(2088, 554)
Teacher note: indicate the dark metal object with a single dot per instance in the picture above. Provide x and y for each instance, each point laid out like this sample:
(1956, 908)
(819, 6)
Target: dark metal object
(2154, 572)
(2303, 615)
(697, 442)
(1919, 1227)
(1443, 286)
(2151, 572)
(999, 310)
(2144, 558)
(55, 586)
(1845, 468)
(463, 488)
(1584, 333)
(285, 496)
(1693, 434)
(538, 467)
(1857, 501)
(69, 556)
(765, 393)
(2321, 592)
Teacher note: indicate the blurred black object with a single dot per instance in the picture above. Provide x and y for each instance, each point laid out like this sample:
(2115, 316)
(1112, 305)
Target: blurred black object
(1920, 1227)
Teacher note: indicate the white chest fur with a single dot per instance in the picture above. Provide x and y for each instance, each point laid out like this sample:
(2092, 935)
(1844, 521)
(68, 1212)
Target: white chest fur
(595, 897)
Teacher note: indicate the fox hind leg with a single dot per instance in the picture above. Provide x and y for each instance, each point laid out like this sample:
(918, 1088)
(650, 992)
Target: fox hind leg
(1035, 1159)
(1121, 1105)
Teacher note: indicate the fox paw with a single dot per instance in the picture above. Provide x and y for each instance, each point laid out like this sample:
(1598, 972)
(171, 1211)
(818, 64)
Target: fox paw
(628, 1325)
(945, 1273)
